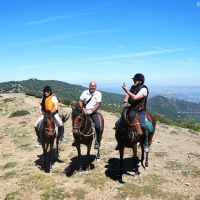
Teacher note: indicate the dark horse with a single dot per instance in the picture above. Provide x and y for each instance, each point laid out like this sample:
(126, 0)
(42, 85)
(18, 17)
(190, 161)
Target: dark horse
(84, 132)
(128, 134)
(48, 133)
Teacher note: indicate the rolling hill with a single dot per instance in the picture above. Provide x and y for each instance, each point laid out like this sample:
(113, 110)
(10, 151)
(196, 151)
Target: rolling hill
(170, 108)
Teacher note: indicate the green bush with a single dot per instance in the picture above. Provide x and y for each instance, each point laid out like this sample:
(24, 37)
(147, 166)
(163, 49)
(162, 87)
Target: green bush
(19, 113)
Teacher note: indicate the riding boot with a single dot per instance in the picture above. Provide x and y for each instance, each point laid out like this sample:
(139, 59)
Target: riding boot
(38, 142)
(61, 132)
(37, 133)
(146, 140)
(97, 139)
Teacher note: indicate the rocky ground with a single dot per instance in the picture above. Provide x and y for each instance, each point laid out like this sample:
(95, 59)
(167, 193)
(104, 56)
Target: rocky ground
(174, 161)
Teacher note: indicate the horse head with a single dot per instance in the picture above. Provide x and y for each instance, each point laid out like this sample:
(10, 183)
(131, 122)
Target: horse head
(130, 119)
(78, 117)
(48, 124)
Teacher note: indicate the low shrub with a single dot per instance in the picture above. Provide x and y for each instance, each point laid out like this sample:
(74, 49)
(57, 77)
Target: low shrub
(19, 113)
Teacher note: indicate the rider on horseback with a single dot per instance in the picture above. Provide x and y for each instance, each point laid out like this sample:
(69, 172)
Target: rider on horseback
(137, 97)
(49, 102)
(90, 101)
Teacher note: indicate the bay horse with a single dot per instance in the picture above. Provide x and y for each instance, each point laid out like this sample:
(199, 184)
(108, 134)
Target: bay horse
(83, 133)
(128, 134)
(48, 131)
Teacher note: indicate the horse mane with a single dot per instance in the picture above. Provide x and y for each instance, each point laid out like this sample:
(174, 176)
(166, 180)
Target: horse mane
(128, 115)
(132, 113)
(75, 112)
(47, 115)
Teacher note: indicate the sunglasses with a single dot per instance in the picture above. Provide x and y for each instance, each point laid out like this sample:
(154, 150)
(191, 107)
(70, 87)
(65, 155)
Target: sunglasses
(46, 91)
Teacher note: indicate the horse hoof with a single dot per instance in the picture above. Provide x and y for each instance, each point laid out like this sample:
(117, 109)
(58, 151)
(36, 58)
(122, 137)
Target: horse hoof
(80, 173)
(146, 168)
(98, 159)
(119, 178)
(136, 176)
(87, 171)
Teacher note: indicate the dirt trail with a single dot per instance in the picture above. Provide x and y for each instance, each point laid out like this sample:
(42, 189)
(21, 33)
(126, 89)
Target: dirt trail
(174, 161)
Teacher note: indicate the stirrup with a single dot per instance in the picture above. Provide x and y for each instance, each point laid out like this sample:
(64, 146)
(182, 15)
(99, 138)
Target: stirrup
(96, 146)
(146, 148)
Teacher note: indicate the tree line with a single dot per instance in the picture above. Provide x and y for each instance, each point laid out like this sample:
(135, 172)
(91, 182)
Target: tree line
(187, 122)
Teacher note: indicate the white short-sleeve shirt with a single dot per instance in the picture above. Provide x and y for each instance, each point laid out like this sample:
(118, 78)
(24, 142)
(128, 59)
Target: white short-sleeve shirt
(143, 91)
(85, 96)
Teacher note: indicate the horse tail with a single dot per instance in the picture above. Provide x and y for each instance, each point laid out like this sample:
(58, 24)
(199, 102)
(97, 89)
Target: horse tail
(64, 118)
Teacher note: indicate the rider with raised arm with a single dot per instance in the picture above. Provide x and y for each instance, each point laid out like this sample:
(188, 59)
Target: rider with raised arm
(137, 97)
(49, 102)
(90, 101)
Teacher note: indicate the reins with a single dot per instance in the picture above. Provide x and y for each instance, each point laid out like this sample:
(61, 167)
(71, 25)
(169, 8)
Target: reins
(85, 126)
(132, 125)
(47, 130)
(128, 127)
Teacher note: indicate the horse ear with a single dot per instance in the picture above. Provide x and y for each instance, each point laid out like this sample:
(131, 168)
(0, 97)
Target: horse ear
(72, 107)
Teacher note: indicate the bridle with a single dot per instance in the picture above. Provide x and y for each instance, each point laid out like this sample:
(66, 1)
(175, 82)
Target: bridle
(132, 125)
(47, 130)
(130, 128)
(78, 128)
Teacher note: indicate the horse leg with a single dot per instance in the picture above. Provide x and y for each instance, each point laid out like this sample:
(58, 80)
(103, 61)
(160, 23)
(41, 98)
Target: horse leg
(146, 161)
(147, 153)
(98, 152)
(79, 158)
(135, 160)
(57, 142)
(121, 153)
(50, 154)
(142, 154)
(88, 158)
(44, 154)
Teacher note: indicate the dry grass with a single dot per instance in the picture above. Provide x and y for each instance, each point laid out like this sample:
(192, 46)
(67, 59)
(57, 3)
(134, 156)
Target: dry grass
(174, 162)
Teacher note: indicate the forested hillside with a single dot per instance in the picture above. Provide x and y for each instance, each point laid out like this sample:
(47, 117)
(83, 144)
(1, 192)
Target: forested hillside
(61, 89)
(169, 108)
(174, 109)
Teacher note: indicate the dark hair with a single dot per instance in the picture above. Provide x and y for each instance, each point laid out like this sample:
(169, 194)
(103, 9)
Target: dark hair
(47, 88)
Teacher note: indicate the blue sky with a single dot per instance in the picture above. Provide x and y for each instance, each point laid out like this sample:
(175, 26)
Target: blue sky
(77, 41)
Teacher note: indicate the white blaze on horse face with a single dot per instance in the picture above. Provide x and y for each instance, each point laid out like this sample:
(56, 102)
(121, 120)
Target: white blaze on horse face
(50, 126)
(77, 122)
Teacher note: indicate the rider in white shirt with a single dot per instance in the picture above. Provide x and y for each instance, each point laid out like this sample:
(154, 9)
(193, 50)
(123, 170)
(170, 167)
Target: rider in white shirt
(90, 101)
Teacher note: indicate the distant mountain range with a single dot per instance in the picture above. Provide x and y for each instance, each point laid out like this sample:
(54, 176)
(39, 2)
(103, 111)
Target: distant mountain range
(170, 108)
(185, 93)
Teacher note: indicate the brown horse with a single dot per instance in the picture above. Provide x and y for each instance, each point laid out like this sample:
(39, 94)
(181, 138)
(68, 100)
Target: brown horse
(128, 134)
(48, 133)
(84, 132)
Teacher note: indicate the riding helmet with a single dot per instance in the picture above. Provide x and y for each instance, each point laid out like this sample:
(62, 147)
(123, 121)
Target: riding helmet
(139, 77)
(47, 88)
